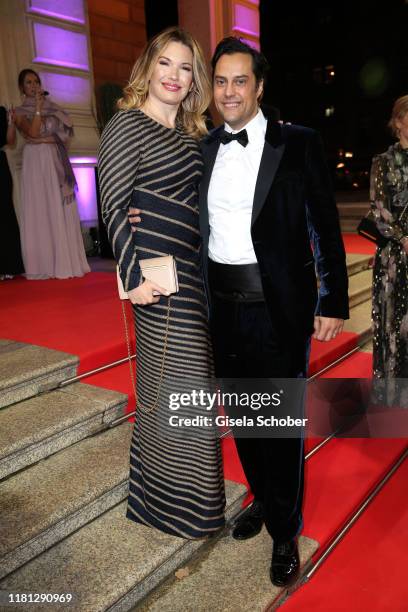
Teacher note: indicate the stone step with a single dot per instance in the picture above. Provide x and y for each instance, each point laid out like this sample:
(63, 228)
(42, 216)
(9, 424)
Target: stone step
(360, 287)
(368, 347)
(46, 502)
(356, 263)
(360, 322)
(26, 370)
(111, 563)
(349, 226)
(353, 209)
(230, 576)
(40, 426)
(351, 214)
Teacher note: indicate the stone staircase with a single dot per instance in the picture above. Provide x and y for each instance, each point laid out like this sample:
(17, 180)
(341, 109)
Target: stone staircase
(229, 577)
(352, 207)
(26, 370)
(63, 482)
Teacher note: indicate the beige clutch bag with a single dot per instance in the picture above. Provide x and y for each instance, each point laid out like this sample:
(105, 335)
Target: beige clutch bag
(160, 270)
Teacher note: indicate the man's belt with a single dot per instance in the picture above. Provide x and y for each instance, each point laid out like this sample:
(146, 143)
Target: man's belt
(240, 283)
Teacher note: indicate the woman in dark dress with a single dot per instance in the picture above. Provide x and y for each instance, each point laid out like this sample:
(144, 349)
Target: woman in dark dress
(11, 262)
(150, 157)
(389, 201)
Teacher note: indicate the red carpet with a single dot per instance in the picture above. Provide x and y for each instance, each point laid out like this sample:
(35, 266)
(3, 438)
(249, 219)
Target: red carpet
(367, 571)
(358, 365)
(323, 353)
(354, 243)
(81, 316)
(339, 476)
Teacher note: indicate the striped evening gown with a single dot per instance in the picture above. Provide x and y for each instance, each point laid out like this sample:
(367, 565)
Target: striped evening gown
(176, 478)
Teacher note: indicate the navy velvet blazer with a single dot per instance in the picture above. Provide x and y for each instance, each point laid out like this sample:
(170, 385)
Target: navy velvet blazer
(294, 228)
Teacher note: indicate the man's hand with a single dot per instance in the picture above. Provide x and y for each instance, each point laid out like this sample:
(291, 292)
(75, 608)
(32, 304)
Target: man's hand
(134, 216)
(147, 293)
(327, 328)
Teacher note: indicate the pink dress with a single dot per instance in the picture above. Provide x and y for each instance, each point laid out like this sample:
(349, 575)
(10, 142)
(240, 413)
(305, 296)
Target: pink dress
(51, 236)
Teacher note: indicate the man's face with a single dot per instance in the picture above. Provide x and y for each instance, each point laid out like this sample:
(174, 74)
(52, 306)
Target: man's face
(235, 90)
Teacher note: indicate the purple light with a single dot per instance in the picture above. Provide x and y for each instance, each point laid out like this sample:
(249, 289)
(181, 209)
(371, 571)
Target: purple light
(38, 59)
(83, 160)
(69, 10)
(67, 89)
(246, 19)
(60, 47)
(86, 193)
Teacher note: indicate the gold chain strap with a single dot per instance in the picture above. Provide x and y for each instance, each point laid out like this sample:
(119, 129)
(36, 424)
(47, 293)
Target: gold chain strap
(132, 378)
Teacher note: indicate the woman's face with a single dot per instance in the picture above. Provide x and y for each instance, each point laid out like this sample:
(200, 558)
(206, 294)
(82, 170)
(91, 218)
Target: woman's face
(402, 125)
(31, 84)
(172, 76)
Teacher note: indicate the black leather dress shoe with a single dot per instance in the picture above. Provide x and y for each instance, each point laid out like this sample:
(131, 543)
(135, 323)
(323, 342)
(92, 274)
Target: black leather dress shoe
(250, 523)
(285, 563)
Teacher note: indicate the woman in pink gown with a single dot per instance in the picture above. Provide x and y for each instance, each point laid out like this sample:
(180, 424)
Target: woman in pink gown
(51, 236)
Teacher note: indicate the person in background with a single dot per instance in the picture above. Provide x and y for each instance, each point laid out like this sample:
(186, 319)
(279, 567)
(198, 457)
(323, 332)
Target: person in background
(389, 202)
(51, 236)
(11, 262)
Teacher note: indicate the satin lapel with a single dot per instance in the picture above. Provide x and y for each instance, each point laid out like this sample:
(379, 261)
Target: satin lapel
(209, 151)
(270, 160)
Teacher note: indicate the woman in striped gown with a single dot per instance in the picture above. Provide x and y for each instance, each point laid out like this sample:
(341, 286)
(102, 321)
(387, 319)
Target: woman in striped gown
(149, 157)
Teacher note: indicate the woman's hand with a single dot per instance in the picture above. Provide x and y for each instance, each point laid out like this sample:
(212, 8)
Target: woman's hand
(11, 116)
(39, 101)
(147, 293)
(11, 127)
(404, 243)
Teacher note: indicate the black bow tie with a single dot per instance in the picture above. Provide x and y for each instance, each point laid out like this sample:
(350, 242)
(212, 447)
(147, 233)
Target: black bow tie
(241, 137)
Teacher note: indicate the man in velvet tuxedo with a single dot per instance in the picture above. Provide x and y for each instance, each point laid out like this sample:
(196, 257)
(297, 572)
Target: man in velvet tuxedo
(264, 198)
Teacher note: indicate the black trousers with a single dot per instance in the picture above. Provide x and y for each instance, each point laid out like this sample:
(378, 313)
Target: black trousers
(245, 346)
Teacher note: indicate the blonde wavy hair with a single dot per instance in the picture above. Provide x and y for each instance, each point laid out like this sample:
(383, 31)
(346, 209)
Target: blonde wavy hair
(191, 111)
(399, 110)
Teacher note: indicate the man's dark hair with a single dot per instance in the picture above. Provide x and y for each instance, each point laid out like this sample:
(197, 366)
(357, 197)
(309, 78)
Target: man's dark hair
(230, 45)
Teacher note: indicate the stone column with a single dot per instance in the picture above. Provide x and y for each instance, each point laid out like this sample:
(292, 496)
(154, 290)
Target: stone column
(211, 20)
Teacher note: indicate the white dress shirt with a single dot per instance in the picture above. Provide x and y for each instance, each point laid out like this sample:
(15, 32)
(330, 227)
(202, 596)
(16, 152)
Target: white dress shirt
(231, 195)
